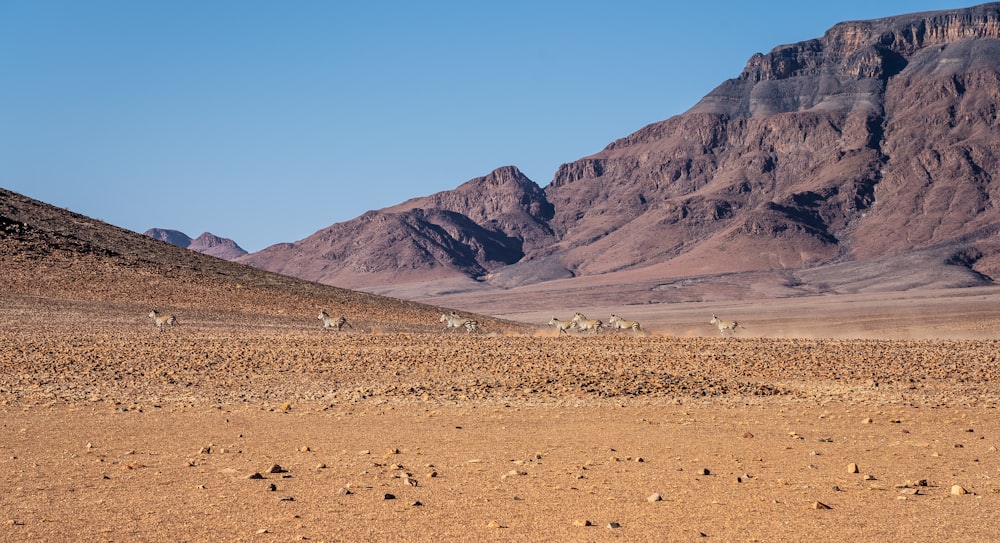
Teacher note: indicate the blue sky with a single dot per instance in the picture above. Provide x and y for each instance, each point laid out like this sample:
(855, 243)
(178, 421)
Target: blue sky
(265, 121)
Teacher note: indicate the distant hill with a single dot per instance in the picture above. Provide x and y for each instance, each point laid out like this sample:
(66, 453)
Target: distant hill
(878, 141)
(206, 243)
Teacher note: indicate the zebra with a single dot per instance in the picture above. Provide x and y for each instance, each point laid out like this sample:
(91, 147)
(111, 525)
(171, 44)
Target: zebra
(455, 321)
(619, 323)
(330, 322)
(724, 326)
(160, 320)
(561, 325)
(583, 323)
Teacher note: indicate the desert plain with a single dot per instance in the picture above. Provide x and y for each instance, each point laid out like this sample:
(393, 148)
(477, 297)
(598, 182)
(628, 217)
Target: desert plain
(867, 418)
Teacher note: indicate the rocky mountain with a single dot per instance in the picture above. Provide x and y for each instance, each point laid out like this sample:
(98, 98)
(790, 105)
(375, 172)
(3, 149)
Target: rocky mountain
(206, 243)
(487, 223)
(876, 140)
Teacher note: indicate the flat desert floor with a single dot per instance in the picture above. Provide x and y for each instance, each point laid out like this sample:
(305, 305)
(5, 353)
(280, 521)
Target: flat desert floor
(279, 431)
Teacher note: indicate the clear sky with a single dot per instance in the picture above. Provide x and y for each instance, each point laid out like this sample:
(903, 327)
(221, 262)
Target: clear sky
(265, 121)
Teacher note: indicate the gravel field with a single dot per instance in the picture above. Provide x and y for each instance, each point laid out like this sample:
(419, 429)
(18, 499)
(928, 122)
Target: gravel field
(114, 431)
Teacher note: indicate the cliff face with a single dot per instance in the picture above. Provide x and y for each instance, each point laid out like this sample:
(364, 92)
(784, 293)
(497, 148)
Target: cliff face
(877, 139)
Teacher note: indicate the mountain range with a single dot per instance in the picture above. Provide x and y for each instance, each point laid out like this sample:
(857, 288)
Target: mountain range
(862, 158)
(206, 243)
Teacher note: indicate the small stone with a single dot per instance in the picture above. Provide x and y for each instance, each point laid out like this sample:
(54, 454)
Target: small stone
(870, 477)
(263, 531)
(820, 506)
(409, 481)
(415, 503)
(614, 525)
(255, 476)
(275, 468)
(747, 435)
(388, 496)
(958, 490)
(305, 448)
(703, 471)
(493, 524)
(321, 466)
(867, 420)
(582, 522)
(432, 474)
(344, 491)
(272, 487)
(852, 468)
(654, 497)
(205, 450)
(285, 499)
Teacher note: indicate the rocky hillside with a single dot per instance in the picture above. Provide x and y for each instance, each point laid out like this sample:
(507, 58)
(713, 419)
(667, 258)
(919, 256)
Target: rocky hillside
(49, 253)
(206, 243)
(878, 139)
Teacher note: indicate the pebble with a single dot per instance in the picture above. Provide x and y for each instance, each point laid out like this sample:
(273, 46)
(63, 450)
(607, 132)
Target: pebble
(852, 468)
(344, 491)
(820, 505)
(614, 525)
(582, 522)
(958, 490)
(388, 496)
(654, 497)
(275, 468)
(493, 524)
(255, 476)
(285, 499)
(410, 481)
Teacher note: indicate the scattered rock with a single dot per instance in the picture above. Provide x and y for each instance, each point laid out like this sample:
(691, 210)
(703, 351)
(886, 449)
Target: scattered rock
(582, 522)
(654, 497)
(493, 524)
(344, 491)
(820, 506)
(958, 490)
(614, 525)
(388, 496)
(275, 468)
(255, 476)
(415, 503)
(852, 468)
(285, 499)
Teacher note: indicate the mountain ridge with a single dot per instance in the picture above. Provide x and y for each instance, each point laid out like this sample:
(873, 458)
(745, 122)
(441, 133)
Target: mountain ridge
(874, 140)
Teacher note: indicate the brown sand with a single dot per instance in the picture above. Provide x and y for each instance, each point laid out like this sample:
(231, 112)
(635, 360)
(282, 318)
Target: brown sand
(112, 431)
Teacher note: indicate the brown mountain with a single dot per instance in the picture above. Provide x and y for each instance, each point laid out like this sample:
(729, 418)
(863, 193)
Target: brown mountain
(207, 243)
(484, 224)
(874, 146)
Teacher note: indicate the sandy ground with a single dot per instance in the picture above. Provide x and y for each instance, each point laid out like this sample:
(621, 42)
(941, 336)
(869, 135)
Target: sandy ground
(112, 431)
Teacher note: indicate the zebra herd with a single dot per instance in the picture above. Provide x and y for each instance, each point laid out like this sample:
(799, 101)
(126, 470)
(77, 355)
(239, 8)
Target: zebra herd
(454, 320)
(583, 324)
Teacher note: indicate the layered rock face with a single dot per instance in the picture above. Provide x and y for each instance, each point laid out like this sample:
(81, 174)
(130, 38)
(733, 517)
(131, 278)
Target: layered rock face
(877, 139)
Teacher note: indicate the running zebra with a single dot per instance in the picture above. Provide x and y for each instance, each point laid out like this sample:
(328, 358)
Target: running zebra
(619, 323)
(561, 325)
(583, 323)
(330, 322)
(724, 326)
(160, 320)
(453, 320)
